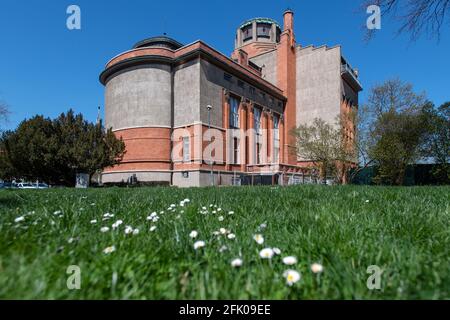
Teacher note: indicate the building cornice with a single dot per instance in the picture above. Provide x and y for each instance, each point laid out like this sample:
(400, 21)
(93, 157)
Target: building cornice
(144, 56)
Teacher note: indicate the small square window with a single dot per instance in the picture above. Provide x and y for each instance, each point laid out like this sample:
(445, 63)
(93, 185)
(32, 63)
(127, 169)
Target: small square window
(240, 84)
(227, 76)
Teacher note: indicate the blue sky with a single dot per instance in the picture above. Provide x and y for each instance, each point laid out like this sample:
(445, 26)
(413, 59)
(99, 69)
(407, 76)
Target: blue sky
(47, 69)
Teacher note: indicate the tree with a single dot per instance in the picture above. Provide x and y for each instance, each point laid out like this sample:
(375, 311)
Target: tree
(31, 148)
(56, 150)
(391, 95)
(324, 144)
(416, 16)
(392, 129)
(437, 145)
(397, 138)
(4, 111)
(87, 147)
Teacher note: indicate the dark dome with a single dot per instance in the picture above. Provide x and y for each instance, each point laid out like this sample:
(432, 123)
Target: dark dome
(160, 41)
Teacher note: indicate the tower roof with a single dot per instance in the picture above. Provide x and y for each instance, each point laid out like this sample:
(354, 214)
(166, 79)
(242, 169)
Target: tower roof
(163, 41)
(259, 20)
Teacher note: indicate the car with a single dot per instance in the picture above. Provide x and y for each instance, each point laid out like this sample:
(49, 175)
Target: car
(6, 185)
(28, 185)
(25, 185)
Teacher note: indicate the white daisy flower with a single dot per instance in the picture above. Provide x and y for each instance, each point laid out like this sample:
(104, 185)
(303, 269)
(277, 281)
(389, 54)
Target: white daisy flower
(56, 213)
(128, 229)
(291, 276)
(211, 205)
(367, 201)
(289, 261)
(263, 226)
(231, 213)
(187, 200)
(236, 263)
(117, 224)
(316, 268)
(181, 204)
(135, 231)
(219, 209)
(173, 205)
(223, 230)
(221, 218)
(152, 215)
(216, 233)
(93, 221)
(152, 228)
(266, 253)
(19, 219)
(104, 229)
(214, 212)
(109, 250)
(223, 248)
(258, 238)
(199, 244)
(277, 251)
(193, 234)
(204, 208)
(231, 236)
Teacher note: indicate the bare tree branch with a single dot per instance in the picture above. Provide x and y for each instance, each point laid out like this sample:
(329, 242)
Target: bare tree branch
(415, 17)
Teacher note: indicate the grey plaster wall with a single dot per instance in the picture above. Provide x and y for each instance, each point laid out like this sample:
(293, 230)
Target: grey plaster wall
(187, 93)
(192, 181)
(268, 62)
(318, 84)
(139, 96)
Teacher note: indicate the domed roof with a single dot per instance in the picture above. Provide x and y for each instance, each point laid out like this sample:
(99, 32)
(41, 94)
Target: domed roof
(259, 20)
(159, 41)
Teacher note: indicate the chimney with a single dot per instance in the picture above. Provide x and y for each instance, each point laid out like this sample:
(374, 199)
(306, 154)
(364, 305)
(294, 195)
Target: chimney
(288, 19)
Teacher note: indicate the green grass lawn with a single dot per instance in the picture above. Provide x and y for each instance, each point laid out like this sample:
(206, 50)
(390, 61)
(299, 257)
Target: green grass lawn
(404, 231)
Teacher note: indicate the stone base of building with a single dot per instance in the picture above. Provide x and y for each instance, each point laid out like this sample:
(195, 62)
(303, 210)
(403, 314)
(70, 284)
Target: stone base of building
(204, 178)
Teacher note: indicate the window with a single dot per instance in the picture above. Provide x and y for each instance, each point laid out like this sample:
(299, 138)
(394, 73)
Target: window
(247, 32)
(234, 112)
(258, 131)
(186, 149)
(252, 90)
(240, 84)
(236, 151)
(258, 153)
(276, 139)
(227, 76)
(263, 30)
(257, 122)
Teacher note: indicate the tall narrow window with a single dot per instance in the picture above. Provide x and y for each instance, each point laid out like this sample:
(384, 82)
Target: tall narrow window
(276, 139)
(236, 151)
(234, 113)
(258, 133)
(257, 124)
(186, 149)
